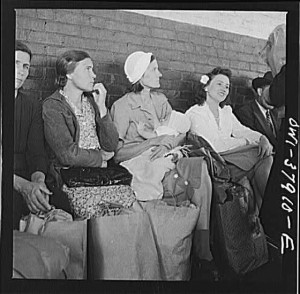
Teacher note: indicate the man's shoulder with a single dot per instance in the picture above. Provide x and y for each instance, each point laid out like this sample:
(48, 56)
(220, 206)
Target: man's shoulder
(246, 107)
(28, 100)
(27, 95)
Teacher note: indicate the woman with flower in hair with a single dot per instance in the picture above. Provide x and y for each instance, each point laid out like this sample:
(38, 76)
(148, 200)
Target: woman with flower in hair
(247, 152)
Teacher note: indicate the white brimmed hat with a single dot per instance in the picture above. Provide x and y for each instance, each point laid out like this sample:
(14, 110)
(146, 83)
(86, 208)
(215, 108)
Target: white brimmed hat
(136, 65)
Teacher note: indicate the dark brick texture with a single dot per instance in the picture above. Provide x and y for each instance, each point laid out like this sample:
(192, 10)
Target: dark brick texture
(184, 52)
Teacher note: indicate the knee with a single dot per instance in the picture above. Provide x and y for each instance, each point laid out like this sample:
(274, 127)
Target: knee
(269, 160)
(267, 164)
(263, 172)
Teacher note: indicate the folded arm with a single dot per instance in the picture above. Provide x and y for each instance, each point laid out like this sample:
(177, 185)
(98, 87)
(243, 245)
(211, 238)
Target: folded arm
(61, 141)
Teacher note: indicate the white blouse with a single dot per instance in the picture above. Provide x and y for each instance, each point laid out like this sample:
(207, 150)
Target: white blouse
(228, 135)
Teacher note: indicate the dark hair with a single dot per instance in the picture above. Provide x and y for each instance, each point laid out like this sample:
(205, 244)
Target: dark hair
(19, 46)
(200, 96)
(66, 63)
(137, 87)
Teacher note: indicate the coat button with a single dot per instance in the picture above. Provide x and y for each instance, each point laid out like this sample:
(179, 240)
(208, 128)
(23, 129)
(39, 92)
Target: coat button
(186, 183)
(176, 176)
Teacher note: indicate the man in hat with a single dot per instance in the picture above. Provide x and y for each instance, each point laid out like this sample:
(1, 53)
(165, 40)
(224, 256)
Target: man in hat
(258, 114)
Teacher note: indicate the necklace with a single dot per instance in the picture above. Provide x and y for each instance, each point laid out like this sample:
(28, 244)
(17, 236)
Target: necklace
(217, 119)
(216, 114)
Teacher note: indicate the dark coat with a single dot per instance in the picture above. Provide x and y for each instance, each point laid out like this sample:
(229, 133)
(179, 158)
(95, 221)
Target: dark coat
(251, 116)
(62, 135)
(272, 215)
(277, 89)
(29, 148)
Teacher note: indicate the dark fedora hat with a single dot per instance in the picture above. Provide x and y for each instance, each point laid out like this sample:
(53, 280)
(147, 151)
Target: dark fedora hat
(264, 81)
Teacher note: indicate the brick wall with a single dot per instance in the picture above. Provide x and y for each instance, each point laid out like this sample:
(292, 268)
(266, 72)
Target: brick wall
(184, 52)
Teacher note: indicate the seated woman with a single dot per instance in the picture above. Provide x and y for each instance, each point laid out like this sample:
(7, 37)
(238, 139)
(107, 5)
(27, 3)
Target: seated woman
(247, 152)
(78, 127)
(143, 105)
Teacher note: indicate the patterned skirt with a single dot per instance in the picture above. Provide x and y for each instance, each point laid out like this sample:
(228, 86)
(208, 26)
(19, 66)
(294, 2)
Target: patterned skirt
(89, 202)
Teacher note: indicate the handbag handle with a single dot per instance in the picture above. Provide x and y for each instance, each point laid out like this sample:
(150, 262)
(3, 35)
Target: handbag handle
(208, 155)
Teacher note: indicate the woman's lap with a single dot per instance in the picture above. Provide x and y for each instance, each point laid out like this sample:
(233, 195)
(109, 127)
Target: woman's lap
(237, 173)
(238, 168)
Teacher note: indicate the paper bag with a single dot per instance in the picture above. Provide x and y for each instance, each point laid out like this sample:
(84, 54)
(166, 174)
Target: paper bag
(122, 247)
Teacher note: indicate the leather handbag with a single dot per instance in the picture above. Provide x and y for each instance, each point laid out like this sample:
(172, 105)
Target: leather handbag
(237, 236)
(95, 176)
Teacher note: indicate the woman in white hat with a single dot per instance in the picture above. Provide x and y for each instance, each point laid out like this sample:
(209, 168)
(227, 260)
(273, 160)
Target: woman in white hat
(142, 105)
(151, 108)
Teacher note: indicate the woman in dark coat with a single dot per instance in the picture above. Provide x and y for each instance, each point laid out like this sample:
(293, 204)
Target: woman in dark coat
(78, 127)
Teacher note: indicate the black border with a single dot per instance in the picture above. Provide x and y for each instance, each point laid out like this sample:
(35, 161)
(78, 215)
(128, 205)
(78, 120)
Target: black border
(7, 71)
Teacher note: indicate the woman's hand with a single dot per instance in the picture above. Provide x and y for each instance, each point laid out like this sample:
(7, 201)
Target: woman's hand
(100, 98)
(158, 152)
(264, 147)
(106, 155)
(165, 140)
(163, 144)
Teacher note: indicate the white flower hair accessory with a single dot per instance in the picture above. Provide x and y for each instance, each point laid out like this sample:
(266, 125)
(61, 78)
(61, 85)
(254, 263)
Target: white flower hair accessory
(204, 79)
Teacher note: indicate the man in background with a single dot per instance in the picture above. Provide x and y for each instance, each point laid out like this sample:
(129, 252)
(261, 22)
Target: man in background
(273, 217)
(258, 114)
